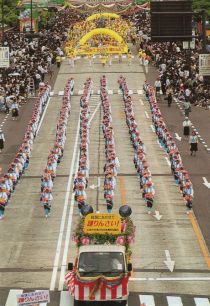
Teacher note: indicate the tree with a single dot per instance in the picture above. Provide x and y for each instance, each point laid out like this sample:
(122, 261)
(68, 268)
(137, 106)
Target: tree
(10, 12)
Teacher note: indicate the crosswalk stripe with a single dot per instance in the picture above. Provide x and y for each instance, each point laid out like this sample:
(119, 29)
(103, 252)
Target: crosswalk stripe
(66, 299)
(202, 302)
(139, 91)
(174, 301)
(147, 300)
(12, 297)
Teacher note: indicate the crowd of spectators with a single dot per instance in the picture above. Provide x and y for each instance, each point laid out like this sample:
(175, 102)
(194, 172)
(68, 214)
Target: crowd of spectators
(31, 59)
(179, 68)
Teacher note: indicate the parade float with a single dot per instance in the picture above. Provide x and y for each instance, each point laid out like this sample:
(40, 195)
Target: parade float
(103, 34)
(103, 265)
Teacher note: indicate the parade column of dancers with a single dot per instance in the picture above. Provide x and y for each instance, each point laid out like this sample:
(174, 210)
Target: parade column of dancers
(20, 163)
(112, 163)
(81, 178)
(180, 174)
(140, 162)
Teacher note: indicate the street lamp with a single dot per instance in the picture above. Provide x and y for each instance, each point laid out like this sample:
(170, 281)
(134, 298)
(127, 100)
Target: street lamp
(32, 31)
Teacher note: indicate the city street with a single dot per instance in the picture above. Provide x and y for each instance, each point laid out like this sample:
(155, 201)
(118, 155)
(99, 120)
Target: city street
(34, 251)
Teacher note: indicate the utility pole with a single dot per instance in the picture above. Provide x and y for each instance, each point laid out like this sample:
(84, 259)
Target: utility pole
(2, 22)
(32, 31)
(204, 30)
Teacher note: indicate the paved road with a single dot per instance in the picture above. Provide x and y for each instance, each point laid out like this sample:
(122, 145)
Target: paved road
(15, 130)
(198, 166)
(135, 299)
(34, 251)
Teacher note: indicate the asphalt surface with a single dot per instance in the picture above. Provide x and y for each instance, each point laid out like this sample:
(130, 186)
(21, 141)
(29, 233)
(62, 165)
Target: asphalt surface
(15, 130)
(134, 299)
(34, 251)
(199, 165)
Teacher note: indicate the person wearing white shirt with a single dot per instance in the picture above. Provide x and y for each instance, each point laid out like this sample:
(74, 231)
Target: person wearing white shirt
(186, 125)
(2, 140)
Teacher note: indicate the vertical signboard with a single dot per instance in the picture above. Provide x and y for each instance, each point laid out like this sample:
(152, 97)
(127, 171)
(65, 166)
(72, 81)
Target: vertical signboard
(4, 57)
(204, 64)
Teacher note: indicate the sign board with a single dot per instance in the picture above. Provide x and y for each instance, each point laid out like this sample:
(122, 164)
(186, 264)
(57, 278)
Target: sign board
(102, 224)
(189, 44)
(4, 57)
(33, 298)
(204, 64)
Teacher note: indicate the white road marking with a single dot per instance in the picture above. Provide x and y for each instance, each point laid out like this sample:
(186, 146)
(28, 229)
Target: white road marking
(61, 93)
(201, 302)
(174, 301)
(165, 279)
(68, 235)
(66, 299)
(168, 162)
(140, 91)
(152, 128)
(142, 103)
(146, 114)
(68, 232)
(43, 115)
(61, 231)
(147, 300)
(12, 297)
(93, 114)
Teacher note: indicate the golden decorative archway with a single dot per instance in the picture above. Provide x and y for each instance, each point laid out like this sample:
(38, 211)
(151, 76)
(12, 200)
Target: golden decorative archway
(100, 31)
(102, 15)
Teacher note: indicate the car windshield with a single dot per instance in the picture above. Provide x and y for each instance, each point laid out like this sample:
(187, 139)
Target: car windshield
(101, 262)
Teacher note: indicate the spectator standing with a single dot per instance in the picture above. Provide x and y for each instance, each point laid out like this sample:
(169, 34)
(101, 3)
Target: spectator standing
(187, 108)
(169, 99)
(58, 61)
(15, 110)
(2, 141)
(157, 86)
(193, 143)
(186, 126)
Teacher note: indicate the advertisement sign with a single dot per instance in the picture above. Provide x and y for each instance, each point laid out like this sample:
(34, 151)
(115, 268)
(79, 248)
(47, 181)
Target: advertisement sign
(4, 57)
(25, 25)
(204, 64)
(33, 298)
(102, 224)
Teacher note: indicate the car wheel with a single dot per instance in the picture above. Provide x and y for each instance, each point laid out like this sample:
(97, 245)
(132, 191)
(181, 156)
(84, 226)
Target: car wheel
(76, 303)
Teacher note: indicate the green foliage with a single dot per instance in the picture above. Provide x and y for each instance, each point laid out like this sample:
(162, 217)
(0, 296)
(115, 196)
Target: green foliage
(202, 5)
(10, 12)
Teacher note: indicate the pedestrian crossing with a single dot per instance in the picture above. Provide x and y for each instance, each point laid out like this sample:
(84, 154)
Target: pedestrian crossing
(63, 298)
(152, 300)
